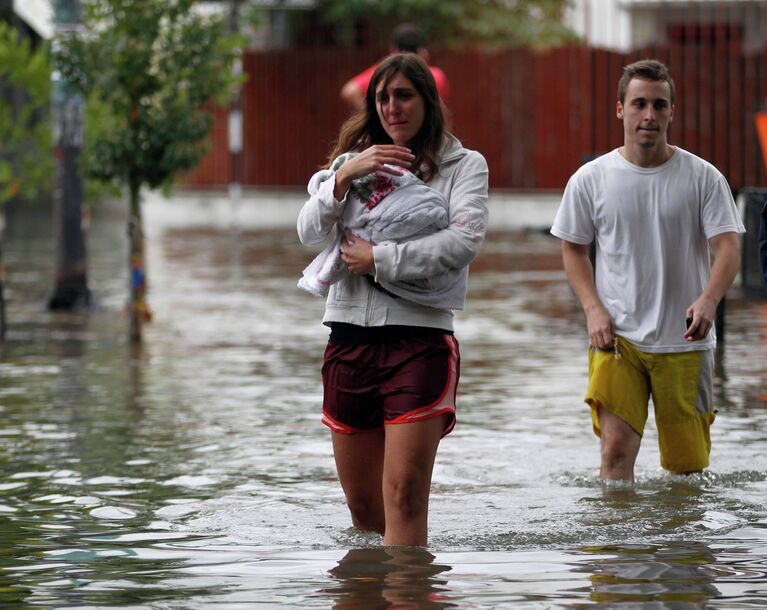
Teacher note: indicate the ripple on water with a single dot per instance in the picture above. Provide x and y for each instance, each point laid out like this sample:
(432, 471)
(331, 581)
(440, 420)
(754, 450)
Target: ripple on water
(202, 476)
(192, 481)
(111, 480)
(177, 511)
(11, 486)
(113, 513)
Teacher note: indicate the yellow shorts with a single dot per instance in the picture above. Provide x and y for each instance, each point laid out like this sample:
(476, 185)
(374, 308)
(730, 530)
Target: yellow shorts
(681, 386)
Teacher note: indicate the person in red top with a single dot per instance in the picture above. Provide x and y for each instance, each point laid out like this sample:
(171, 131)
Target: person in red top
(405, 39)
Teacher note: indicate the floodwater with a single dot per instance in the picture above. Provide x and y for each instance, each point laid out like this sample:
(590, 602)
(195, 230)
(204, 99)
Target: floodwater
(195, 473)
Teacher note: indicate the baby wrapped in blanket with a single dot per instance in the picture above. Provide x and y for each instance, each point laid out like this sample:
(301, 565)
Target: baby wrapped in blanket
(383, 208)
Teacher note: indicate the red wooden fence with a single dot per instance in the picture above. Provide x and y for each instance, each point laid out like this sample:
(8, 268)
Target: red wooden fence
(535, 116)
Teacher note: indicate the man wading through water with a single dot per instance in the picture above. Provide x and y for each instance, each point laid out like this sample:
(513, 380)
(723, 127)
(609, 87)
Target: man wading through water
(654, 210)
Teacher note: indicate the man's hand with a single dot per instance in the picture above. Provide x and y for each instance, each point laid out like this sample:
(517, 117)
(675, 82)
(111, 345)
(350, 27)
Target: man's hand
(357, 254)
(600, 327)
(580, 274)
(703, 314)
(726, 249)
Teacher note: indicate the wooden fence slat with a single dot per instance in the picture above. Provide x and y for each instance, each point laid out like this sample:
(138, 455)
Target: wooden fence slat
(535, 116)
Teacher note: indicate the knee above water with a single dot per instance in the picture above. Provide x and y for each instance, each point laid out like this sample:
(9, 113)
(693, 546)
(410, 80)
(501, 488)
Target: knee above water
(368, 518)
(407, 497)
(364, 509)
(614, 452)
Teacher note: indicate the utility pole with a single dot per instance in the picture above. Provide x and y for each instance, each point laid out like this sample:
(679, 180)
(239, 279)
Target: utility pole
(71, 290)
(6, 12)
(235, 135)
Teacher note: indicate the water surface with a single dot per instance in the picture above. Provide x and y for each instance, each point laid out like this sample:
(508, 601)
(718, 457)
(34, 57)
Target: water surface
(195, 472)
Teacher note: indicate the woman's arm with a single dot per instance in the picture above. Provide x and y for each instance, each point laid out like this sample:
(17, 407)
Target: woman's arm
(322, 211)
(451, 248)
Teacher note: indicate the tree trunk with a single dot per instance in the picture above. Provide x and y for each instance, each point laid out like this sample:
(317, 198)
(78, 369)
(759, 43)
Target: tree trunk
(2, 276)
(71, 290)
(138, 311)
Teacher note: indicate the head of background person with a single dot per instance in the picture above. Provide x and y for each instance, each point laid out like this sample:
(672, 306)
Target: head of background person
(407, 38)
(402, 107)
(646, 96)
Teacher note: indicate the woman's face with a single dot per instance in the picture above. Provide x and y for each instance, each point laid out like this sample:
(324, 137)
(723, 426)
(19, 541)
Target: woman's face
(400, 108)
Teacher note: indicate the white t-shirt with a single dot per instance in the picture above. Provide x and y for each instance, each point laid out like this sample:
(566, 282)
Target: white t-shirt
(652, 227)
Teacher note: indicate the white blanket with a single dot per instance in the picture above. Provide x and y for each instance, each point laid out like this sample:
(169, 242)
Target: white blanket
(384, 208)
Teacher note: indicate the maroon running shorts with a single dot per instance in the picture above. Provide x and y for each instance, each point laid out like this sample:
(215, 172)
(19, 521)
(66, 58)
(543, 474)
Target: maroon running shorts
(409, 380)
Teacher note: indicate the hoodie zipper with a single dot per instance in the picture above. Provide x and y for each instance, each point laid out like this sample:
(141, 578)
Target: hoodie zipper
(368, 307)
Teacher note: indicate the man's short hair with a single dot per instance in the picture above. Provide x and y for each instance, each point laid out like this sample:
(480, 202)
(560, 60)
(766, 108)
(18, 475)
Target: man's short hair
(647, 69)
(406, 38)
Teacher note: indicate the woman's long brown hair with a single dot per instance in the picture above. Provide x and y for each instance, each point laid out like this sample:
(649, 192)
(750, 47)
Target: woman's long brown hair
(364, 128)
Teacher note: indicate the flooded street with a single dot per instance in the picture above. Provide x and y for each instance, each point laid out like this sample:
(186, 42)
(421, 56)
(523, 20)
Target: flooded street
(195, 472)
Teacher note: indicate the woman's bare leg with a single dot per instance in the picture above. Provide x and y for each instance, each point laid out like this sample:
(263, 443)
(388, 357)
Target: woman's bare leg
(359, 460)
(407, 469)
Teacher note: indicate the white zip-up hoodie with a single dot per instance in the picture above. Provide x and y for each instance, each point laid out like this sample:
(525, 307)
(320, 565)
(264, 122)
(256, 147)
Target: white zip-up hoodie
(462, 178)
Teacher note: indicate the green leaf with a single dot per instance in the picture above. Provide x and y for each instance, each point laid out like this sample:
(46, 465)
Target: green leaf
(458, 23)
(150, 72)
(26, 154)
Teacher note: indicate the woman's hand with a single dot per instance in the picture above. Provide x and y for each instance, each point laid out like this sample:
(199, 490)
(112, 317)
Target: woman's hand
(373, 159)
(357, 254)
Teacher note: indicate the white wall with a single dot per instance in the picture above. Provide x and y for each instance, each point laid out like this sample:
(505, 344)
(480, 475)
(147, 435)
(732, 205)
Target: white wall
(38, 14)
(601, 23)
(623, 25)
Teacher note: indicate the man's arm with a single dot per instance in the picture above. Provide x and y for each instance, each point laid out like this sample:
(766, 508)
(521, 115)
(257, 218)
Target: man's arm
(726, 249)
(352, 95)
(580, 275)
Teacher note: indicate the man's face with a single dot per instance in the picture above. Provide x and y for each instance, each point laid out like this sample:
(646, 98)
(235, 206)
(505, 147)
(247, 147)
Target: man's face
(646, 112)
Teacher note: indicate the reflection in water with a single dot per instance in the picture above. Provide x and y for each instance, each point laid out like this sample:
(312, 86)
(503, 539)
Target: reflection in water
(720, 373)
(645, 576)
(69, 334)
(664, 508)
(618, 490)
(139, 358)
(389, 577)
(196, 473)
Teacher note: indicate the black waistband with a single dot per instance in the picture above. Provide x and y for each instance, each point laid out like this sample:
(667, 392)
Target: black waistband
(352, 334)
